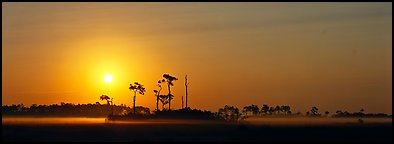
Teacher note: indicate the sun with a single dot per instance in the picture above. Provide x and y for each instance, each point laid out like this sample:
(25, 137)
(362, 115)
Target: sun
(108, 78)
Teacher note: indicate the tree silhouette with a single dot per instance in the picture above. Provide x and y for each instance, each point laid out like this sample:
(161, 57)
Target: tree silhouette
(326, 113)
(229, 113)
(157, 93)
(169, 79)
(136, 87)
(252, 108)
(271, 110)
(107, 98)
(285, 109)
(164, 100)
(265, 109)
(246, 110)
(277, 109)
(186, 85)
(315, 111)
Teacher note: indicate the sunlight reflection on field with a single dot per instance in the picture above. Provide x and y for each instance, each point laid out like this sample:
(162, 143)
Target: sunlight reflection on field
(79, 120)
(252, 121)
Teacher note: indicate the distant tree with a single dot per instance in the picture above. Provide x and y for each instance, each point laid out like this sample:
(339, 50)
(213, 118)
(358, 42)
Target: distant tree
(254, 109)
(186, 85)
(136, 87)
(277, 109)
(271, 110)
(246, 109)
(326, 113)
(362, 111)
(315, 111)
(229, 113)
(107, 98)
(141, 110)
(109, 102)
(285, 109)
(338, 112)
(169, 79)
(264, 109)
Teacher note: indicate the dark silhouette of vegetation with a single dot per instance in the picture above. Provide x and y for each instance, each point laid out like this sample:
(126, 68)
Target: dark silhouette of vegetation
(169, 80)
(164, 99)
(326, 113)
(65, 110)
(157, 93)
(136, 87)
(314, 111)
(359, 114)
(229, 113)
(186, 85)
(107, 98)
(264, 109)
(254, 109)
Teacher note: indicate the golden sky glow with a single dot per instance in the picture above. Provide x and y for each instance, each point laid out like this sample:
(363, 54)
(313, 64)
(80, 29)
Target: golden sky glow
(329, 55)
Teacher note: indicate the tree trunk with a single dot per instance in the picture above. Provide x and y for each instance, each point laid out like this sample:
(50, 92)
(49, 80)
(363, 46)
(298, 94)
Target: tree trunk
(169, 97)
(134, 102)
(157, 99)
(112, 106)
(157, 103)
(186, 88)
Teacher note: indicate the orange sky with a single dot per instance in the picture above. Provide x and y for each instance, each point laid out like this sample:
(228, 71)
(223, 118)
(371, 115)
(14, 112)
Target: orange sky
(330, 55)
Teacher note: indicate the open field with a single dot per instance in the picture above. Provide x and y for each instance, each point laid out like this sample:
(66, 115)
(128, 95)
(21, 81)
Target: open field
(100, 130)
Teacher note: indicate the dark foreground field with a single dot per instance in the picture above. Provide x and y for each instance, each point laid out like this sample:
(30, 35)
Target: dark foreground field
(196, 132)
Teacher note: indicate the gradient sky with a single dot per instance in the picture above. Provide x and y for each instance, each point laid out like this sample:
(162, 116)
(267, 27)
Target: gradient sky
(330, 55)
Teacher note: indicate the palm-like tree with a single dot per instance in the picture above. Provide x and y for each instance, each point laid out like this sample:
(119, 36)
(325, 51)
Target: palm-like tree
(169, 79)
(136, 87)
(109, 101)
(157, 93)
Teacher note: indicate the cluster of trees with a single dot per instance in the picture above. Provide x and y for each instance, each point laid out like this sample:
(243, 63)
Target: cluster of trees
(65, 109)
(285, 110)
(164, 99)
(277, 110)
(360, 114)
(254, 110)
(228, 113)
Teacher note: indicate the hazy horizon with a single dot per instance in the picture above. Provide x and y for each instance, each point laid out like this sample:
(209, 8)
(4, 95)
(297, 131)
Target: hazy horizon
(336, 56)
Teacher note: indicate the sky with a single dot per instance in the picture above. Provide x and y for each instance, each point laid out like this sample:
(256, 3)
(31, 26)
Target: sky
(336, 56)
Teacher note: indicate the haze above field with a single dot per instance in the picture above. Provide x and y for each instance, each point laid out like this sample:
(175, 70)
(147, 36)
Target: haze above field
(330, 55)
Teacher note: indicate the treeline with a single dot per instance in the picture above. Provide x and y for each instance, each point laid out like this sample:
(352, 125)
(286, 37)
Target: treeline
(69, 110)
(227, 113)
(285, 110)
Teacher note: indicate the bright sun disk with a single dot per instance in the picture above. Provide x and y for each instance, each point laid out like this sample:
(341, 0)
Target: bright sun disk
(108, 78)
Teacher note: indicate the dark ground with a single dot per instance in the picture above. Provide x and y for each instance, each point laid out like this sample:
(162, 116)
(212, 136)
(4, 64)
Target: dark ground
(197, 132)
